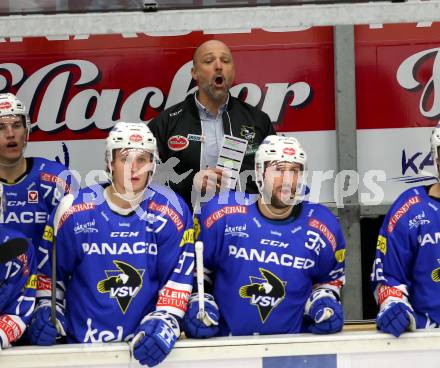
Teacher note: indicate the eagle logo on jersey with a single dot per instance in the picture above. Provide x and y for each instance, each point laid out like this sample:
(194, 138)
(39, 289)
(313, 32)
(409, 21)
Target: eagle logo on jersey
(265, 293)
(122, 284)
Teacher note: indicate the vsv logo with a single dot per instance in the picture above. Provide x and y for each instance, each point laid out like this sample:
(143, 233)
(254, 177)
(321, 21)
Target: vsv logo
(122, 284)
(265, 292)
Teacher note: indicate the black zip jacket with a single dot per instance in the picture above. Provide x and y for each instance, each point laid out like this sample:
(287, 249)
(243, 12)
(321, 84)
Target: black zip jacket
(178, 133)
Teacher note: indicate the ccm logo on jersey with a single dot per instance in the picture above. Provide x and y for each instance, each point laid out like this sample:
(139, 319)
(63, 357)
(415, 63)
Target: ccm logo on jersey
(16, 203)
(401, 212)
(124, 234)
(177, 143)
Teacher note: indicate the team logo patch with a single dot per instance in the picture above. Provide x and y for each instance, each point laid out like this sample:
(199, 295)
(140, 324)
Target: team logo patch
(177, 143)
(135, 138)
(401, 212)
(5, 105)
(248, 133)
(382, 244)
(48, 233)
(340, 255)
(31, 283)
(188, 237)
(435, 274)
(196, 228)
(32, 196)
(289, 151)
(265, 293)
(122, 284)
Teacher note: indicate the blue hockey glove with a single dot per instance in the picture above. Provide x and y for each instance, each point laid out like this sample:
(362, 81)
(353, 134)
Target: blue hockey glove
(196, 328)
(5, 292)
(41, 329)
(395, 318)
(325, 311)
(155, 337)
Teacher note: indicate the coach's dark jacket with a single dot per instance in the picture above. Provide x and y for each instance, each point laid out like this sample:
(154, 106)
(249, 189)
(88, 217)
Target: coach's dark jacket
(178, 133)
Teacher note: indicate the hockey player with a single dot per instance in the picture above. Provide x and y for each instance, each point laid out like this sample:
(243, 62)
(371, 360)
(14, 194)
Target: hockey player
(125, 256)
(33, 186)
(18, 268)
(276, 264)
(406, 271)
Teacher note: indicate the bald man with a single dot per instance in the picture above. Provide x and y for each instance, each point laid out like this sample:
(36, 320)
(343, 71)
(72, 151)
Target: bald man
(193, 130)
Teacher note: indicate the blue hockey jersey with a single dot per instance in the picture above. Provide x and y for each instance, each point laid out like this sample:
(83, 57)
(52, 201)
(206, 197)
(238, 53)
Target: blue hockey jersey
(114, 269)
(19, 277)
(407, 262)
(263, 270)
(32, 197)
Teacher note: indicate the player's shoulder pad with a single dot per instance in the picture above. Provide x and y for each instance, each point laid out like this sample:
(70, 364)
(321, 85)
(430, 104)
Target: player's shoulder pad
(163, 201)
(408, 203)
(46, 165)
(318, 210)
(76, 203)
(412, 196)
(54, 173)
(224, 205)
(166, 196)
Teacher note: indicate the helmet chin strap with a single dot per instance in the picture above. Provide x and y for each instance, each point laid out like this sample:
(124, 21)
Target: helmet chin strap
(134, 200)
(15, 163)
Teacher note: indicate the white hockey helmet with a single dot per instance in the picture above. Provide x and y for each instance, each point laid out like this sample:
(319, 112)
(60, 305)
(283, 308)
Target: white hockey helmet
(282, 149)
(435, 144)
(130, 136)
(11, 105)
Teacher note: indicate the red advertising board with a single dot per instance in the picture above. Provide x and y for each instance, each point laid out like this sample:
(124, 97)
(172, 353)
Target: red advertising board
(397, 72)
(77, 88)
